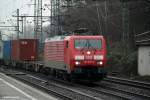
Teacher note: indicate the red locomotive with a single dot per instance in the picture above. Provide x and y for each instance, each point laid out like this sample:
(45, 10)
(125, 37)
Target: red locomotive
(76, 57)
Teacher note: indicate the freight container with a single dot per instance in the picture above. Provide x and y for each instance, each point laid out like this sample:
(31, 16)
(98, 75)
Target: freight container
(24, 49)
(1, 49)
(6, 50)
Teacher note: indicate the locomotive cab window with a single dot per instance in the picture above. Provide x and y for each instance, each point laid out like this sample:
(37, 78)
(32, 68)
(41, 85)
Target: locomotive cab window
(88, 43)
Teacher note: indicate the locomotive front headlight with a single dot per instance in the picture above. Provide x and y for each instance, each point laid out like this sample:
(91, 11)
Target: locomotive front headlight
(100, 63)
(98, 57)
(88, 52)
(77, 62)
(79, 57)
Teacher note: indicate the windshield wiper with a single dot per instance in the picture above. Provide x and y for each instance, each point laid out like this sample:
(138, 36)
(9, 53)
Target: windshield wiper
(91, 46)
(85, 46)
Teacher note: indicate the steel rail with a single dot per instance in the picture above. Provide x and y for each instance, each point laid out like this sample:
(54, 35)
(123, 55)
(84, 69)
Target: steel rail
(128, 82)
(56, 93)
(43, 88)
(99, 91)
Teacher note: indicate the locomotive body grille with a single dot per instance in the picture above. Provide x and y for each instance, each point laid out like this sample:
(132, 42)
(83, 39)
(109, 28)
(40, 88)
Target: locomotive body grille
(89, 57)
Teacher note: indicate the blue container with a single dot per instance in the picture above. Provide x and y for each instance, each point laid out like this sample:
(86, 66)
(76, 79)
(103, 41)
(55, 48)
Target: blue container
(6, 49)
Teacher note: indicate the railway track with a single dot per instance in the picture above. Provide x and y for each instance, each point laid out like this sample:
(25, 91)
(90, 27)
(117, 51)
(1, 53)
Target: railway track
(77, 91)
(112, 92)
(128, 82)
(57, 90)
(43, 84)
(96, 90)
(128, 94)
(105, 90)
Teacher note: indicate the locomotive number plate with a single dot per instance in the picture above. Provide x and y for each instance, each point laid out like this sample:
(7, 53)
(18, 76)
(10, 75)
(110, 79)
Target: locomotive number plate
(88, 57)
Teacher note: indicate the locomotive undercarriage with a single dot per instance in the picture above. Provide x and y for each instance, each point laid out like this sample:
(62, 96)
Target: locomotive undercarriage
(87, 74)
(92, 74)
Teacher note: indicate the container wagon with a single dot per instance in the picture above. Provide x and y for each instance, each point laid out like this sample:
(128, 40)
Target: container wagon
(1, 51)
(24, 49)
(23, 52)
(6, 52)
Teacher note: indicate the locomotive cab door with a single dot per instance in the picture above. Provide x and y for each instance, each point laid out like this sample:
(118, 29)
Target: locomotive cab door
(67, 56)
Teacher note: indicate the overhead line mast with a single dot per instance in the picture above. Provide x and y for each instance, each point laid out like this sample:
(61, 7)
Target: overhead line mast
(125, 19)
(56, 26)
(38, 30)
(35, 18)
(18, 24)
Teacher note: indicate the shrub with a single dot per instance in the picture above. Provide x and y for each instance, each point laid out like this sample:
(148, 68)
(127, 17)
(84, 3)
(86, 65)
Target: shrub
(122, 59)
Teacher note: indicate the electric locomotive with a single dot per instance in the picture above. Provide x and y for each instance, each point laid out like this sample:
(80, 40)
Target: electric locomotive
(76, 57)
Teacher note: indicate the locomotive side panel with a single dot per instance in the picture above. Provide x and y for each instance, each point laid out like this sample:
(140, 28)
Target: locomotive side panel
(68, 59)
(104, 51)
(54, 55)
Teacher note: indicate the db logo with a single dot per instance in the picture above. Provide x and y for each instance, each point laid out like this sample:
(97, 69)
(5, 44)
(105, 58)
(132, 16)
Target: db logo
(88, 57)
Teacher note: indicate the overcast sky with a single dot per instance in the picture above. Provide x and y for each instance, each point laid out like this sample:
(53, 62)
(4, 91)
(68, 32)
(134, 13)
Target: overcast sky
(8, 8)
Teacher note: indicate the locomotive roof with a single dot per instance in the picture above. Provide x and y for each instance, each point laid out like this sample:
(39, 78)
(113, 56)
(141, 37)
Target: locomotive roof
(61, 38)
(55, 38)
(82, 37)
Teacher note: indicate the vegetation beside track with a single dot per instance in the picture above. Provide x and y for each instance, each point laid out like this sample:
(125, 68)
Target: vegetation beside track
(122, 60)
